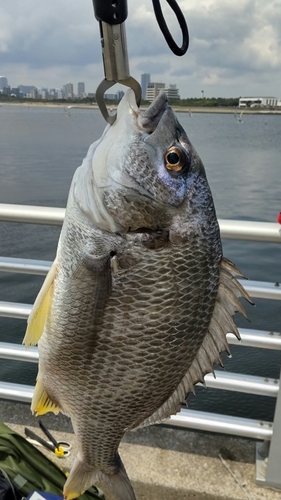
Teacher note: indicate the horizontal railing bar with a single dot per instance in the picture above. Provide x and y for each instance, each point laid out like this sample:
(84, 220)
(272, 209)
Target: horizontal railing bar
(266, 291)
(250, 230)
(25, 266)
(249, 338)
(18, 352)
(249, 384)
(14, 310)
(16, 392)
(31, 214)
(233, 229)
(262, 289)
(224, 380)
(225, 424)
(191, 419)
(256, 289)
(256, 338)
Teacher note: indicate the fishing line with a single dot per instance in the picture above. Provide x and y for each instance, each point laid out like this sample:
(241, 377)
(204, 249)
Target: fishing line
(179, 51)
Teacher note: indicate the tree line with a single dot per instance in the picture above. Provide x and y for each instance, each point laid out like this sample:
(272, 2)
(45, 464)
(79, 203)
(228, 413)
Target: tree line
(189, 102)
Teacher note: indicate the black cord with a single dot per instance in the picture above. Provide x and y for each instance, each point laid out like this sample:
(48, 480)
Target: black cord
(179, 51)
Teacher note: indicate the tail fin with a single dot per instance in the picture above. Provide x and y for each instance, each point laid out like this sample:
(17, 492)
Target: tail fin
(82, 477)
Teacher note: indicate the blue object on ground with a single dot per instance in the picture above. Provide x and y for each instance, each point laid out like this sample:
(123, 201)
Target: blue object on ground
(37, 495)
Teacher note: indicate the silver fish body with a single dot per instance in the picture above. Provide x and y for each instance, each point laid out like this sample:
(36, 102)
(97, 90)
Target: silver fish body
(141, 297)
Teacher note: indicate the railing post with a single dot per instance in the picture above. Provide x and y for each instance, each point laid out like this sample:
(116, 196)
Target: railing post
(268, 468)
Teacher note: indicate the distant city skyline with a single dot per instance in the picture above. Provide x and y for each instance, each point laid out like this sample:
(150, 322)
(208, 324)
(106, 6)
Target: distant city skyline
(66, 91)
(31, 91)
(149, 91)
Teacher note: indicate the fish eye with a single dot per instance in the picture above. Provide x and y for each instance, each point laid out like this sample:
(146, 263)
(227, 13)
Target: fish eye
(175, 159)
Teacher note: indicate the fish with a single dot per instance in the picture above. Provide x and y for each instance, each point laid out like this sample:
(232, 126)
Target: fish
(136, 306)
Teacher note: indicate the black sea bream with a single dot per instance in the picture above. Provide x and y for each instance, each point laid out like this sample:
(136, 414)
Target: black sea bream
(136, 307)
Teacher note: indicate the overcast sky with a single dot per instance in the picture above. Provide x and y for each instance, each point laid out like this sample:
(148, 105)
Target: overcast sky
(235, 45)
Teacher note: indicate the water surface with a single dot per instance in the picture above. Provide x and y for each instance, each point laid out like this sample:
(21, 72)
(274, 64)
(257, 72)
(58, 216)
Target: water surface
(40, 148)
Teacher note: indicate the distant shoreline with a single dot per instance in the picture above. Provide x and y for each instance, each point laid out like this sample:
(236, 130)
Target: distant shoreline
(231, 111)
(177, 109)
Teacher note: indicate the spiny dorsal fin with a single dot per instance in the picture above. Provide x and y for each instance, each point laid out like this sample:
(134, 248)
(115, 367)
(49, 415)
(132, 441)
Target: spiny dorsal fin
(40, 309)
(234, 285)
(229, 300)
(231, 268)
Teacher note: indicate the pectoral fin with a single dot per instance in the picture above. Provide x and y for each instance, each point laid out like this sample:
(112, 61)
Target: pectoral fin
(38, 315)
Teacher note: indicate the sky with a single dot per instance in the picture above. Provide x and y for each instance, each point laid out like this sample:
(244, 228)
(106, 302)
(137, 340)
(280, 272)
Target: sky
(235, 46)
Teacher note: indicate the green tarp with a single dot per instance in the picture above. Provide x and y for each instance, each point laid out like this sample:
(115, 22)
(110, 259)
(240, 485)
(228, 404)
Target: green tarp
(29, 470)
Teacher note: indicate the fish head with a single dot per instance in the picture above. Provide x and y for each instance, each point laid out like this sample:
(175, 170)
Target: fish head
(146, 173)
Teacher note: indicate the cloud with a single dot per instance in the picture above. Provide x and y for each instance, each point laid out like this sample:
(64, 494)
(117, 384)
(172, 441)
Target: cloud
(155, 68)
(41, 34)
(234, 46)
(263, 48)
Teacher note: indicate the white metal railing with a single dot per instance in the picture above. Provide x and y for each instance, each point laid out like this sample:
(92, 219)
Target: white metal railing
(223, 380)
(31, 214)
(241, 230)
(244, 230)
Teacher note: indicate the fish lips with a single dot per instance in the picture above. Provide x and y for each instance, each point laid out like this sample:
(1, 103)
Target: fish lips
(149, 120)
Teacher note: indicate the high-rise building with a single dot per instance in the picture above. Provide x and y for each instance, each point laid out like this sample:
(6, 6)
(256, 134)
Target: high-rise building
(172, 92)
(6, 90)
(3, 82)
(34, 94)
(145, 80)
(26, 89)
(81, 90)
(45, 94)
(69, 90)
(119, 94)
(15, 91)
(153, 90)
(60, 93)
(52, 93)
(111, 97)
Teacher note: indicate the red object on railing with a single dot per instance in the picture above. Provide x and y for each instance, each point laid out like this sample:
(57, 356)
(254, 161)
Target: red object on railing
(279, 218)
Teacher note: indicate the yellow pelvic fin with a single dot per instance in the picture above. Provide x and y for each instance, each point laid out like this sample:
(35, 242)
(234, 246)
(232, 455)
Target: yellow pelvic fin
(38, 315)
(41, 403)
(72, 495)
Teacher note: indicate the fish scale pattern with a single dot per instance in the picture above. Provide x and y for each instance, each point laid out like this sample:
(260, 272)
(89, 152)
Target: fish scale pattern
(119, 358)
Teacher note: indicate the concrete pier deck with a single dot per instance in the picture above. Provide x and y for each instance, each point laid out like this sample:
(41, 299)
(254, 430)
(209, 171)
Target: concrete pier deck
(165, 463)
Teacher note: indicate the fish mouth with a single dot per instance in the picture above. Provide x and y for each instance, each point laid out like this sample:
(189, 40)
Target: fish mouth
(142, 230)
(152, 239)
(149, 119)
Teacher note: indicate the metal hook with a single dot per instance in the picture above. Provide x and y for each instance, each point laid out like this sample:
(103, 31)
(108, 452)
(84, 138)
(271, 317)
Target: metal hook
(111, 18)
(105, 85)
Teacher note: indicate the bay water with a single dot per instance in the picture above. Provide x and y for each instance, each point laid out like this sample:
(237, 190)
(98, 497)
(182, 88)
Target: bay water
(40, 148)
